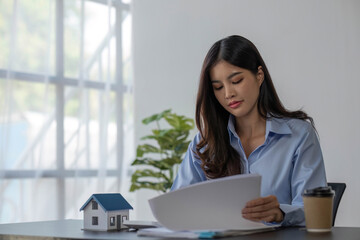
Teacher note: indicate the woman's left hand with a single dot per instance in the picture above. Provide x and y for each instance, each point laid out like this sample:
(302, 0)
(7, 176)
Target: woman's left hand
(263, 209)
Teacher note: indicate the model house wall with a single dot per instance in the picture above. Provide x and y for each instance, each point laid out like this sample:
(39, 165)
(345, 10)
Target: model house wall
(100, 213)
(119, 217)
(104, 212)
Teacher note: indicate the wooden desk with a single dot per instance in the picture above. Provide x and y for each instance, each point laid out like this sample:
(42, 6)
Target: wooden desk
(71, 229)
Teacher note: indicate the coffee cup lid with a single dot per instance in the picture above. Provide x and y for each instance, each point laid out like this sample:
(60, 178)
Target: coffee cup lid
(319, 192)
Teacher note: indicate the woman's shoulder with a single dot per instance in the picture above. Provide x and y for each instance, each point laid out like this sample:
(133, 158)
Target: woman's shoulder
(195, 141)
(298, 123)
(197, 138)
(297, 126)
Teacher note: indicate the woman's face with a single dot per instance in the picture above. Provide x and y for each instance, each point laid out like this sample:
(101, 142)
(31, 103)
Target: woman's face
(236, 89)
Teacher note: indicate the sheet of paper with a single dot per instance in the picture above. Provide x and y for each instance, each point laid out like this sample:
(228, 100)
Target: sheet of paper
(141, 224)
(164, 232)
(210, 205)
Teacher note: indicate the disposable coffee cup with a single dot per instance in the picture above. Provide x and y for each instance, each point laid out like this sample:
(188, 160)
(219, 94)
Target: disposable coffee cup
(318, 206)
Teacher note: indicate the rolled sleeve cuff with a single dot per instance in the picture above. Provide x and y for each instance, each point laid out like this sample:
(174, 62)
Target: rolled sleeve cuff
(293, 215)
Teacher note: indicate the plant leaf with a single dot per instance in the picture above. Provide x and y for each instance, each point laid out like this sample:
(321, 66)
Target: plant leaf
(172, 161)
(150, 185)
(181, 147)
(160, 164)
(179, 122)
(147, 173)
(156, 117)
(146, 148)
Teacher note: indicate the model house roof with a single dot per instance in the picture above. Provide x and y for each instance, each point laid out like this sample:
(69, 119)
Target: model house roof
(109, 201)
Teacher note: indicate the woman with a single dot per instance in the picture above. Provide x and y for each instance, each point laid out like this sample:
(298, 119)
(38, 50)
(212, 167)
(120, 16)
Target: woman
(244, 128)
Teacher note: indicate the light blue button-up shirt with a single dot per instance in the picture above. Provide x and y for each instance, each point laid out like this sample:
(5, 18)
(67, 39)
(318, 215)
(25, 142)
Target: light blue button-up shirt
(289, 161)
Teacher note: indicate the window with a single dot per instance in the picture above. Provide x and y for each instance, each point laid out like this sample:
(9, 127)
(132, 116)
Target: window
(94, 205)
(124, 218)
(112, 221)
(95, 221)
(65, 105)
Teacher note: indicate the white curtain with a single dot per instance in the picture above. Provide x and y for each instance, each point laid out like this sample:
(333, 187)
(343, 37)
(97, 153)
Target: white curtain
(65, 105)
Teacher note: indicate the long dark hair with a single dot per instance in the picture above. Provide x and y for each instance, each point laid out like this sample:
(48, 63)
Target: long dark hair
(218, 157)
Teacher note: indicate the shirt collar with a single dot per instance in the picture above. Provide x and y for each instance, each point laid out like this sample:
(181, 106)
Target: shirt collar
(273, 125)
(277, 126)
(231, 125)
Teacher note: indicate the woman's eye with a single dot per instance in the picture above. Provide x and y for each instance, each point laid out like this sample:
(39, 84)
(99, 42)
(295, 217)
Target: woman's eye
(218, 88)
(238, 81)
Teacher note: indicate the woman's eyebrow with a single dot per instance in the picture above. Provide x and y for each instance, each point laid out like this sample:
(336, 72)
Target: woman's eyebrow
(228, 78)
(233, 74)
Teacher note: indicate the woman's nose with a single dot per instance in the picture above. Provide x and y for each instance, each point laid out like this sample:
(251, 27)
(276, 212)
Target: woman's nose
(229, 93)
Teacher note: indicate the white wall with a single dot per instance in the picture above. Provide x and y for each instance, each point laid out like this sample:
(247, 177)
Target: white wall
(311, 49)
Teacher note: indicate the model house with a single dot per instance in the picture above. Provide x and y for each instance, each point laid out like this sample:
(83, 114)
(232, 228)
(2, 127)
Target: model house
(106, 211)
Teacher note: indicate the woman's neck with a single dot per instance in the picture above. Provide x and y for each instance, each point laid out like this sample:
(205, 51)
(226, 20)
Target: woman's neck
(250, 126)
(251, 131)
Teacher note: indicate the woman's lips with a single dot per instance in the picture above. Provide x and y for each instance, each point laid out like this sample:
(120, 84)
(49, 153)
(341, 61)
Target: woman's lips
(235, 104)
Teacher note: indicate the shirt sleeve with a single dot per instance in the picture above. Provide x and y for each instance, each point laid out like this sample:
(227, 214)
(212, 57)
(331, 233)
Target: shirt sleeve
(190, 170)
(308, 172)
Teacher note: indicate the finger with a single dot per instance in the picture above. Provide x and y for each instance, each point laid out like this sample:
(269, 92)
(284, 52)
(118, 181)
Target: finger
(267, 216)
(261, 208)
(261, 201)
(263, 219)
(258, 215)
(268, 219)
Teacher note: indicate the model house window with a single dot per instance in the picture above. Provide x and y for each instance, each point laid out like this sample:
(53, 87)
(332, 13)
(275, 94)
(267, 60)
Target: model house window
(112, 221)
(95, 221)
(94, 205)
(124, 218)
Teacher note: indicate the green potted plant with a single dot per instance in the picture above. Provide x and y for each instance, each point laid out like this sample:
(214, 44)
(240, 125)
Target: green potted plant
(161, 160)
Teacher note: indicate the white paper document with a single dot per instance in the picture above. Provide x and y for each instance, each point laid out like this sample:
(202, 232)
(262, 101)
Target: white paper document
(164, 232)
(141, 224)
(210, 205)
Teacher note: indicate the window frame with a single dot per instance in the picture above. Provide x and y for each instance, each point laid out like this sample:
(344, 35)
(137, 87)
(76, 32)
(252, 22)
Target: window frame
(94, 205)
(112, 221)
(95, 221)
(61, 82)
